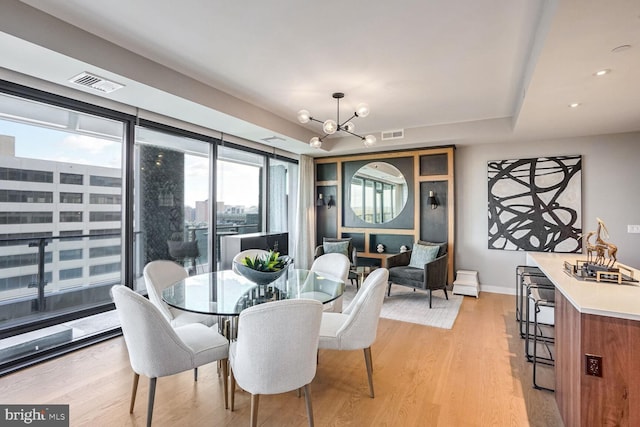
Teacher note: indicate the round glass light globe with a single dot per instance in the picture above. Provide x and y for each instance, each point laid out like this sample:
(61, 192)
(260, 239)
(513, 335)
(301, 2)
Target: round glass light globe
(369, 140)
(349, 127)
(362, 110)
(304, 116)
(329, 127)
(315, 142)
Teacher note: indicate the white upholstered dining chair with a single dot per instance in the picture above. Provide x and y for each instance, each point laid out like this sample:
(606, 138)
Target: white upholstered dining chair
(156, 349)
(276, 350)
(356, 327)
(333, 265)
(159, 275)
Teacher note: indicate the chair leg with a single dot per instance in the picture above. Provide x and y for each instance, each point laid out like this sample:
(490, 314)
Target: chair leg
(232, 388)
(368, 362)
(195, 374)
(429, 298)
(136, 378)
(307, 399)
(152, 395)
(225, 376)
(255, 400)
(445, 293)
(389, 290)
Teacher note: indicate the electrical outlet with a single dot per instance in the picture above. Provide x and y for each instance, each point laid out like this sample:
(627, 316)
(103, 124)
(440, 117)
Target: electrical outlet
(633, 229)
(593, 365)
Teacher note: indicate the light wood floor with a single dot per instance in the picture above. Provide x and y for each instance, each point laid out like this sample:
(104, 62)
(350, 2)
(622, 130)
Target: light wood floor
(472, 375)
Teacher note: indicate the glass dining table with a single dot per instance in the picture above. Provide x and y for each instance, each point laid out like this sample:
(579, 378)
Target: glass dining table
(226, 293)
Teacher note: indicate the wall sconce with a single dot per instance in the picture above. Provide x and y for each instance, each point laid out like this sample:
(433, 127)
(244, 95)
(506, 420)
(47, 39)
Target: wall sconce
(331, 201)
(432, 200)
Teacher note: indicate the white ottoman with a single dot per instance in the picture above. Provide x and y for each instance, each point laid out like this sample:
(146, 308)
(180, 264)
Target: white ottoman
(466, 283)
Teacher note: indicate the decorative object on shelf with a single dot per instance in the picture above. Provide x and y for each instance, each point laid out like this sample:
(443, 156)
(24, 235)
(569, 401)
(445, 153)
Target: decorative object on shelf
(611, 249)
(403, 248)
(600, 248)
(583, 270)
(431, 200)
(380, 248)
(263, 270)
(332, 126)
(601, 260)
(320, 201)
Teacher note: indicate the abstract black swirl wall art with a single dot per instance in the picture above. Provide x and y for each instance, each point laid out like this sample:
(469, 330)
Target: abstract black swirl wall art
(535, 204)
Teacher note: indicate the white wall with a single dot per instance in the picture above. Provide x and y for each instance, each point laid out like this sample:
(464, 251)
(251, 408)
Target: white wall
(610, 191)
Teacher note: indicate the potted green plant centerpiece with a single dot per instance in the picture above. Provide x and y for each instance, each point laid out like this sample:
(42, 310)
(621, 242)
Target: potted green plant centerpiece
(263, 269)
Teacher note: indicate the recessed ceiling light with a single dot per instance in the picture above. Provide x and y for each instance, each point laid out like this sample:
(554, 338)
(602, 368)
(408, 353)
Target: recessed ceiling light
(602, 72)
(574, 105)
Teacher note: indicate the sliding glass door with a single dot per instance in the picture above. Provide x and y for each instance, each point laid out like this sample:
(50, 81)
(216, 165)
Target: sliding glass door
(89, 196)
(61, 217)
(171, 201)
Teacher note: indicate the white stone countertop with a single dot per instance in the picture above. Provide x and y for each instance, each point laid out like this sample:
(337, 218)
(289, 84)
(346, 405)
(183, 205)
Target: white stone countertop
(590, 297)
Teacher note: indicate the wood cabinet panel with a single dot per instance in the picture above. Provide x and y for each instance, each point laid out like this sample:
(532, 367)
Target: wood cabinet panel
(568, 360)
(606, 400)
(586, 400)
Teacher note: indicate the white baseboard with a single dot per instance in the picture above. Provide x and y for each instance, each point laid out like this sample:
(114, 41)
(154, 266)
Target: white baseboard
(498, 289)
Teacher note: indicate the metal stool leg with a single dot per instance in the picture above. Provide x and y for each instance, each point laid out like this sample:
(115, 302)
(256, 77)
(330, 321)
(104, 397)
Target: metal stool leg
(550, 361)
(530, 320)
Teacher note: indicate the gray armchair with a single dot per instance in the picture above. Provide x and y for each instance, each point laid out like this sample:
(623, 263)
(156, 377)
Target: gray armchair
(432, 277)
(352, 254)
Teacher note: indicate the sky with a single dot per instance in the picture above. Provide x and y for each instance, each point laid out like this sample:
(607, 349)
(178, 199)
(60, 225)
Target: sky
(237, 186)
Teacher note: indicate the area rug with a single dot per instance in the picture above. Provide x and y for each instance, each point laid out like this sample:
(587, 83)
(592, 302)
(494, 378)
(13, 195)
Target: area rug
(406, 305)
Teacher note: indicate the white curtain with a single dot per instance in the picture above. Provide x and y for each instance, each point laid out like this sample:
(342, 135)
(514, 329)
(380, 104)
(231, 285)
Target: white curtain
(305, 221)
(278, 199)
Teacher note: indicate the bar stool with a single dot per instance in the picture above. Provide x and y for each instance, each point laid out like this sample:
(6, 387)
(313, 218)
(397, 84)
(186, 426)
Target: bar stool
(539, 293)
(540, 296)
(527, 276)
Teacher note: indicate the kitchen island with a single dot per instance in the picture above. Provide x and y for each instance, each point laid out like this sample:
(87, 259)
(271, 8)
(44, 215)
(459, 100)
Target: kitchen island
(594, 320)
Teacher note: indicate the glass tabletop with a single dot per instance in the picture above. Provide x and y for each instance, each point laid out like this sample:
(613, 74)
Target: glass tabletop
(227, 293)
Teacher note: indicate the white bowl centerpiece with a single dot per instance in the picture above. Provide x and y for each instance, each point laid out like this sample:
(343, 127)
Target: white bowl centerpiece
(263, 269)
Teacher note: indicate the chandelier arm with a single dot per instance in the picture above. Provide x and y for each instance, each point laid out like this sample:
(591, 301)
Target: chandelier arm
(313, 119)
(347, 121)
(351, 133)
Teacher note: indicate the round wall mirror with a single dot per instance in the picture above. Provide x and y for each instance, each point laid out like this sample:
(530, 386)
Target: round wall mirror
(378, 192)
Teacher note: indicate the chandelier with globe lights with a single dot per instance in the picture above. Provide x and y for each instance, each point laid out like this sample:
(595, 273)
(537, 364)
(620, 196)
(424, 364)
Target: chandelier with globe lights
(332, 126)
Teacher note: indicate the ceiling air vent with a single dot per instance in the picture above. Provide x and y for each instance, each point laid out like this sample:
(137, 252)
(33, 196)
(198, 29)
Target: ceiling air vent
(393, 134)
(94, 82)
(273, 139)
